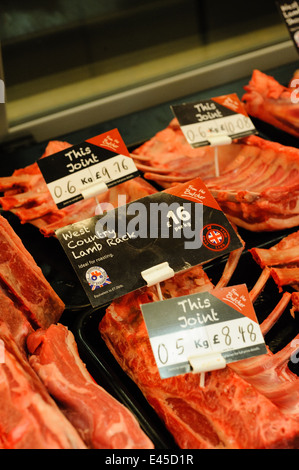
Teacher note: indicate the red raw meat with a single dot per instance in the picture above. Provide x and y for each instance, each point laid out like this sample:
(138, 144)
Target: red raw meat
(271, 376)
(227, 413)
(276, 313)
(286, 277)
(282, 259)
(25, 282)
(295, 302)
(259, 190)
(168, 158)
(268, 100)
(27, 196)
(102, 421)
(29, 418)
(258, 185)
(13, 317)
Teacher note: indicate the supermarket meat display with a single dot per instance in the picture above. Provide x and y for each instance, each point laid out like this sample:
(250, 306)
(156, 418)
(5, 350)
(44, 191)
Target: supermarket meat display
(49, 398)
(258, 183)
(226, 413)
(102, 421)
(266, 99)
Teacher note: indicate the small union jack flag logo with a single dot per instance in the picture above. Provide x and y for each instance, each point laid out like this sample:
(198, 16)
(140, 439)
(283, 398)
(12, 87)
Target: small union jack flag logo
(215, 237)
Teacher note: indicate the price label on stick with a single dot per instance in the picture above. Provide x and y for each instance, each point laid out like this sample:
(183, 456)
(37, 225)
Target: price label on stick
(201, 326)
(87, 169)
(214, 121)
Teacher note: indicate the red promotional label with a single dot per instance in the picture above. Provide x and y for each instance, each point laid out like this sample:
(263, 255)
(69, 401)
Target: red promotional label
(196, 191)
(231, 102)
(110, 140)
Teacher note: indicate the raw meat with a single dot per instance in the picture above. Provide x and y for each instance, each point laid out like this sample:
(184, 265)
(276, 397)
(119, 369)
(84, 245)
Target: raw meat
(259, 189)
(276, 313)
(258, 186)
(27, 196)
(168, 158)
(13, 317)
(271, 376)
(25, 282)
(29, 418)
(227, 413)
(102, 421)
(282, 259)
(268, 100)
(295, 303)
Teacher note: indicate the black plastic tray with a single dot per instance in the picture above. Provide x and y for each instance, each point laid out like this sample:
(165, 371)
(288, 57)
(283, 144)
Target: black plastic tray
(109, 374)
(270, 132)
(52, 260)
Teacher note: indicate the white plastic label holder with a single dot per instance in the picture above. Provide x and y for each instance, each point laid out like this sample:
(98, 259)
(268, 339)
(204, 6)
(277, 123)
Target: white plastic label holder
(94, 190)
(219, 139)
(156, 274)
(206, 363)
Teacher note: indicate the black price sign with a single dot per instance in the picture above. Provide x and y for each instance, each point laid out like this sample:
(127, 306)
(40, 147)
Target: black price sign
(182, 226)
(87, 169)
(215, 121)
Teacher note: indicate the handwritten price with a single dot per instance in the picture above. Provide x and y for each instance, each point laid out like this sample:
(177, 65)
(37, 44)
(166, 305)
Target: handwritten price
(227, 127)
(171, 348)
(74, 186)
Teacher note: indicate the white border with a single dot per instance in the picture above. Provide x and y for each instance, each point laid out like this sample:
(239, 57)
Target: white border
(3, 117)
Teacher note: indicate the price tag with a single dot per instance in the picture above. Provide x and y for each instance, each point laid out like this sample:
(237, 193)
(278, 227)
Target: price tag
(203, 121)
(222, 321)
(289, 11)
(87, 169)
(183, 226)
